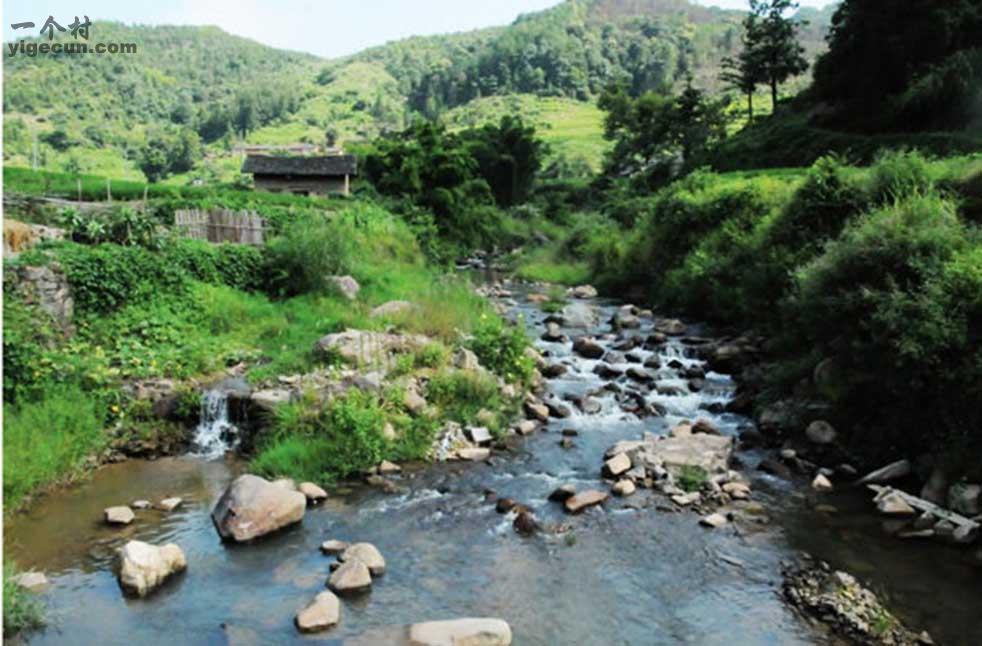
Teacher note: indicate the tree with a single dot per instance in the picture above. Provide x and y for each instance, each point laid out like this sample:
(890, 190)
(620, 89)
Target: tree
(508, 157)
(774, 53)
(657, 133)
(153, 161)
(743, 73)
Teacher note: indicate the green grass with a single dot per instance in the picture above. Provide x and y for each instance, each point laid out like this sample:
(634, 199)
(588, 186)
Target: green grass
(21, 610)
(572, 128)
(46, 441)
(545, 264)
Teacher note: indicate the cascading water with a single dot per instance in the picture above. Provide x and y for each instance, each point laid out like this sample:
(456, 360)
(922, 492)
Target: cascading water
(215, 434)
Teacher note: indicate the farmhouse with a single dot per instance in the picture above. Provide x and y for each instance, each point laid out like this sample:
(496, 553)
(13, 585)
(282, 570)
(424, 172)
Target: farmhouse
(302, 175)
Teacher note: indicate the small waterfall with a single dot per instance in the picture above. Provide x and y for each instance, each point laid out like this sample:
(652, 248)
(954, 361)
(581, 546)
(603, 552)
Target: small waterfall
(215, 434)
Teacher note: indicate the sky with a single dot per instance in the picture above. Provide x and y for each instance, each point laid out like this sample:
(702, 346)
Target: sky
(328, 28)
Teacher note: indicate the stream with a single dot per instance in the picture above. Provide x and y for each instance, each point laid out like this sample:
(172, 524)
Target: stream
(623, 574)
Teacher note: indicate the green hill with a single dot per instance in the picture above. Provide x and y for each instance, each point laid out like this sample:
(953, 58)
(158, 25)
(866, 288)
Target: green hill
(96, 113)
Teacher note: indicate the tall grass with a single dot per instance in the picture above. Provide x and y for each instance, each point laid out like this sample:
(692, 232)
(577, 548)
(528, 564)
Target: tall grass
(47, 440)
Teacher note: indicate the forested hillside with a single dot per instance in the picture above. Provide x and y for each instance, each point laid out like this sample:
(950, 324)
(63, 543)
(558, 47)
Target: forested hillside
(179, 104)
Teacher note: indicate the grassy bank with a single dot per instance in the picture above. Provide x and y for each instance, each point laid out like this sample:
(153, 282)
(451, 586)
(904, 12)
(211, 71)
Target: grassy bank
(21, 610)
(155, 306)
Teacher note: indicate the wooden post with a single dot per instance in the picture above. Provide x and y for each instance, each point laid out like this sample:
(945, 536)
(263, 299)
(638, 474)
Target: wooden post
(78, 183)
(109, 190)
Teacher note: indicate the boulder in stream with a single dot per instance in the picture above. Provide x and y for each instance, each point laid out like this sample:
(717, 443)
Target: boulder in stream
(121, 515)
(367, 554)
(320, 614)
(578, 502)
(588, 348)
(312, 492)
(461, 632)
(351, 577)
(252, 507)
(144, 567)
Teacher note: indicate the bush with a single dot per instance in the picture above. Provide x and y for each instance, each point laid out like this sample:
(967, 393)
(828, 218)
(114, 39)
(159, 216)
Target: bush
(306, 254)
(48, 439)
(897, 175)
(501, 347)
(235, 265)
(462, 394)
(894, 301)
(343, 438)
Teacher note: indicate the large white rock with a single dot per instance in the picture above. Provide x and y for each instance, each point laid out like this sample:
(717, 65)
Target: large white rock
(320, 614)
(312, 492)
(367, 554)
(144, 567)
(708, 452)
(577, 503)
(461, 632)
(252, 507)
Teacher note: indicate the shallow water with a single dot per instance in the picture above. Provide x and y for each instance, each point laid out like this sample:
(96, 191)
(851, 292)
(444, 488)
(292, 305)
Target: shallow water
(618, 576)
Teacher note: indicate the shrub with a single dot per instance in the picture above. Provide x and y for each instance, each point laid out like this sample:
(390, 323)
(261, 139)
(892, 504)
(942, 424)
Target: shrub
(71, 421)
(692, 478)
(462, 394)
(343, 438)
(501, 347)
(306, 254)
(895, 302)
(235, 265)
(897, 175)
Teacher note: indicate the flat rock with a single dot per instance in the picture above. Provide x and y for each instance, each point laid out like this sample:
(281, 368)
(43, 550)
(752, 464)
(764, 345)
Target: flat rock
(713, 520)
(367, 554)
(31, 581)
(623, 488)
(461, 632)
(320, 614)
(351, 577)
(270, 398)
(333, 546)
(525, 427)
(366, 347)
(144, 567)
(170, 504)
(121, 515)
(313, 492)
(893, 504)
(686, 499)
(578, 502)
(252, 507)
(386, 468)
(708, 452)
(141, 504)
(479, 434)
(477, 454)
(392, 308)
(617, 465)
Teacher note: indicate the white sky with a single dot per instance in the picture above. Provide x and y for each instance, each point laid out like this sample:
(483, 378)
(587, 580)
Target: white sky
(327, 28)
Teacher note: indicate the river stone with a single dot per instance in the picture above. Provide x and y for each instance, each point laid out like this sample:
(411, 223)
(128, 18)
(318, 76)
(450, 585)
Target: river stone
(820, 432)
(582, 291)
(525, 523)
(144, 567)
(312, 492)
(671, 327)
(623, 488)
(821, 484)
(121, 515)
(170, 504)
(31, 581)
(617, 465)
(686, 499)
(333, 546)
(367, 554)
(553, 333)
(322, 613)
(270, 398)
(387, 468)
(639, 374)
(474, 454)
(578, 502)
(588, 348)
(141, 504)
(461, 632)
(479, 434)
(737, 490)
(711, 453)
(525, 427)
(537, 411)
(713, 520)
(345, 285)
(562, 493)
(553, 370)
(252, 507)
(353, 576)
(892, 471)
(893, 504)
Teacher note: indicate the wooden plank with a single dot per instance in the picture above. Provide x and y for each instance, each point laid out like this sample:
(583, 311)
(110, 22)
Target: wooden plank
(924, 505)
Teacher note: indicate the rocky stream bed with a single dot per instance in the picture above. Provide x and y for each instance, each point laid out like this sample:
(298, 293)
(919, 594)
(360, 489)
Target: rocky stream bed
(624, 510)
